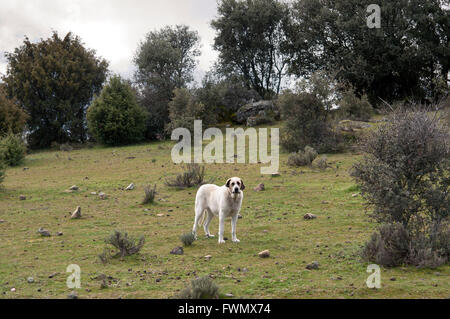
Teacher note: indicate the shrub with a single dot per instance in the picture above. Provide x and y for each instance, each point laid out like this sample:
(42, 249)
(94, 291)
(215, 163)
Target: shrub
(200, 288)
(2, 171)
(322, 163)
(66, 147)
(302, 158)
(404, 177)
(352, 107)
(126, 245)
(187, 239)
(150, 194)
(193, 175)
(12, 118)
(12, 149)
(115, 117)
(305, 123)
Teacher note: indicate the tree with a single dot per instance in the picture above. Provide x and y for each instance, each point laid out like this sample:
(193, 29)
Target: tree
(398, 60)
(165, 60)
(12, 117)
(115, 117)
(54, 81)
(251, 39)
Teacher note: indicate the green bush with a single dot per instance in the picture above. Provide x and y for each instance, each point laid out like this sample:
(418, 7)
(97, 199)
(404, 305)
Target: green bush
(352, 107)
(2, 171)
(115, 117)
(12, 149)
(150, 194)
(12, 117)
(302, 158)
(200, 288)
(187, 239)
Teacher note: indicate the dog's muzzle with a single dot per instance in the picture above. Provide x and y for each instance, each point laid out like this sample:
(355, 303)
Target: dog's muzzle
(236, 191)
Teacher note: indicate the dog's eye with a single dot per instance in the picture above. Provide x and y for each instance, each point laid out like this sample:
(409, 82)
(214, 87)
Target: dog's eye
(232, 184)
(238, 183)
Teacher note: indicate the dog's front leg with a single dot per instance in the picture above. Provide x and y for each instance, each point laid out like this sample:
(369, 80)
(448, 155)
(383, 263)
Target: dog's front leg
(221, 227)
(233, 228)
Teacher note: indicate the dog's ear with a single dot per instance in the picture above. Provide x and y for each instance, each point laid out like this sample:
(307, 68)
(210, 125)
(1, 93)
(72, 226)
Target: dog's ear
(227, 184)
(242, 185)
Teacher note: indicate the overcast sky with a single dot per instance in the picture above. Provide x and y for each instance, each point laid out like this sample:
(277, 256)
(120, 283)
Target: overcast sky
(111, 27)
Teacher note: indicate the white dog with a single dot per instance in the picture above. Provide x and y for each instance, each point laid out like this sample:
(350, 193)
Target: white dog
(223, 201)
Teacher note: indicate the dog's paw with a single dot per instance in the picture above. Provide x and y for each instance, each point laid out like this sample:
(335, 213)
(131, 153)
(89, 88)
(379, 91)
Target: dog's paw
(236, 240)
(210, 236)
(221, 241)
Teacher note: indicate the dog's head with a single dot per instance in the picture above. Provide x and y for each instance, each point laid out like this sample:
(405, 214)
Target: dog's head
(235, 185)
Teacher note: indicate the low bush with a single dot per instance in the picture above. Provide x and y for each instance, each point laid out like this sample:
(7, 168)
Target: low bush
(193, 175)
(150, 194)
(322, 163)
(126, 245)
(12, 150)
(302, 158)
(352, 107)
(2, 171)
(187, 239)
(200, 288)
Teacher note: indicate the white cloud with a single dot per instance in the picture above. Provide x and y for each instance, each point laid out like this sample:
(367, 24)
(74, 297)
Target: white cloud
(111, 27)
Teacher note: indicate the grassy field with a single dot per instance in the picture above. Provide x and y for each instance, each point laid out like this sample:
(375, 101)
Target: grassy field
(272, 219)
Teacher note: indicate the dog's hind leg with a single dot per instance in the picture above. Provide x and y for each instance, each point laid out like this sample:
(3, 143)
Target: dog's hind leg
(199, 211)
(209, 217)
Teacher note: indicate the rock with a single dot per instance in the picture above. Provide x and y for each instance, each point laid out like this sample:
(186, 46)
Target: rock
(393, 279)
(77, 213)
(257, 109)
(93, 193)
(59, 233)
(208, 257)
(44, 232)
(275, 175)
(264, 254)
(239, 216)
(354, 195)
(22, 197)
(259, 188)
(309, 216)
(13, 289)
(350, 126)
(130, 187)
(72, 295)
(74, 188)
(160, 215)
(177, 251)
(313, 265)
(2, 221)
(102, 195)
(324, 202)
(53, 275)
(30, 280)
(25, 168)
(229, 295)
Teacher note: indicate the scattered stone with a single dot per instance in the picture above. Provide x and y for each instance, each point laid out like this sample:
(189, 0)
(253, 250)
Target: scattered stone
(72, 295)
(77, 213)
(44, 232)
(160, 215)
(229, 295)
(208, 257)
(239, 216)
(13, 289)
(393, 279)
(53, 275)
(264, 254)
(177, 251)
(93, 193)
(275, 174)
(59, 233)
(25, 168)
(324, 202)
(30, 280)
(2, 221)
(102, 195)
(313, 265)
(22, 197)
(354, 195)
(259, 188)
(74, 188)
(130, 187)
(309, 216)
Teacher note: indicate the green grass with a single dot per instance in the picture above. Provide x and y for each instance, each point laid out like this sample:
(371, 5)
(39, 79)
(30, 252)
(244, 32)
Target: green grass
(272, 219)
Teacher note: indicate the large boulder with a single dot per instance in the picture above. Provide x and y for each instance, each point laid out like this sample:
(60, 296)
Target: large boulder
(257, 109)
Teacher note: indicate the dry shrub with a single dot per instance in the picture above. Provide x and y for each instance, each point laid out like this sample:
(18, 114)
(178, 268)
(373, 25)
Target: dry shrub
(193, 175)
(200, 288)
(302, 158)
(187, 239)
(126, 245)
(150, 194)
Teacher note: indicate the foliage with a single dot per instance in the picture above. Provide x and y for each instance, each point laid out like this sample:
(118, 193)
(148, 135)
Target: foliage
(302, 158)
(193, 175)
(127, 246)
(250, 37)
(12, 150)
(150, 194)
(165, 60)
(405, 178)
(352, 107)
(200, 288)
(395, 61)
(2, 170)
(12, 117)
(54, 81)
(305, 123)
(115, 117)
(187, 239)
(322, 163)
